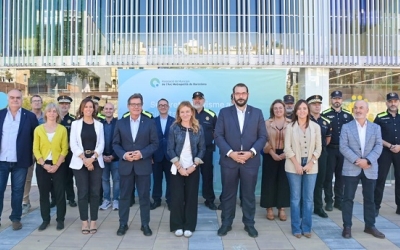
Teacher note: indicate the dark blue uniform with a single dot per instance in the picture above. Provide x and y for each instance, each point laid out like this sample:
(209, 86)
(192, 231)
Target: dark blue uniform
(69, 182)
(335, 158)
(390, 127)
(207, 119)
(326, 131)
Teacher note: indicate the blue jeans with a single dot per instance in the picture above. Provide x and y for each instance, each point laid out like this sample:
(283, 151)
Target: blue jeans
(301, 189)
(110, 167)
(18, 176)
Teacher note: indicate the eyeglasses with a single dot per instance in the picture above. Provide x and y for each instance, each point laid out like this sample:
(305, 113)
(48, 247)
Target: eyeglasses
(36, 100)
(135, 105)
(163, 105)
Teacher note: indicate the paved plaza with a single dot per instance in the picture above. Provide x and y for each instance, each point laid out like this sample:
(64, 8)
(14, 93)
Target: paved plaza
(272, 234)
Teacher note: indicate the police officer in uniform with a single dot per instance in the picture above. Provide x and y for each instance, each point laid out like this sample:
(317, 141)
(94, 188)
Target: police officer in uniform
(390, 127)
(326, 130)
(289, 105)
(338, 116)
(207, 118)
(96, 100)
(64, 104)
(149, 115)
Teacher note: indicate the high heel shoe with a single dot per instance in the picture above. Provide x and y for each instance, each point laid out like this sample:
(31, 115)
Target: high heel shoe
(270, 214)
(282, 214)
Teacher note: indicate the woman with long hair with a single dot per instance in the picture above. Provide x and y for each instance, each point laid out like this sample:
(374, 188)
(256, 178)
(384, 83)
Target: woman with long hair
(274, 183)
(50, 146)
(87, 145)
(302, 150)
(186, 147)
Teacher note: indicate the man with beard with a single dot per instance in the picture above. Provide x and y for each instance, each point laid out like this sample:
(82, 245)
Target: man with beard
(240, 134)
(361, 146)
(338, 117)
(390, 127)
(289, 105)
(314, 103)
(207, 118)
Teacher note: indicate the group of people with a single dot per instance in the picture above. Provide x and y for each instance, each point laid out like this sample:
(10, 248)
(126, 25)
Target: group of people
(302, 149)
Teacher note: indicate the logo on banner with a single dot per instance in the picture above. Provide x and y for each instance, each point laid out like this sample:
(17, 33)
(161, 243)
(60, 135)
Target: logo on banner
(155, 82)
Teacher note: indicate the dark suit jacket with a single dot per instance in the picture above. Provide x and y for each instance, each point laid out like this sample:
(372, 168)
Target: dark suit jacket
(228, 136)
(27, 125)
(113, 122)
(163, 139)
(146, 142)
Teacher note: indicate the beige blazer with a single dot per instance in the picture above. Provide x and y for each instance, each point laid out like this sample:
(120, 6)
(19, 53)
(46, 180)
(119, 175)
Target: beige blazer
(292, 146)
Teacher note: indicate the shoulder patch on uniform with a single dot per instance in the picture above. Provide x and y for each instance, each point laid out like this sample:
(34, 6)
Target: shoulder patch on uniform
(327, 111)
(71, 115)
(125, 115)
(210, 112)
(326, 119)
(148, 114)
(382, 114)
(345, 110)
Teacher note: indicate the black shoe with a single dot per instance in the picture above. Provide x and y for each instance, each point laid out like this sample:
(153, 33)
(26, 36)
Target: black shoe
(328, 207)
(72, 203)
(122, 230)
(155, 205)
(338, 205)
(44, 225)
(321, 213)
(60, 225)
(52, 203)
(210, 205)
(374, 232)
(346, 232)
(132, 201)
(223, 230)
(398, 210)
(251, 231)
(146, 230)
(376, 212)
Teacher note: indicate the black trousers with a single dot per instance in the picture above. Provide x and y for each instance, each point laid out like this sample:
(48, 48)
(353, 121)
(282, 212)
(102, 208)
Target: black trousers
(335, 166)
(275, 190)
(160, 169)
(127, 183)
(207, 175)
(385, 160)
(69, 179)
(350, 188)
(184, 199)
(45, 182)
(321, 177)
(88, 184)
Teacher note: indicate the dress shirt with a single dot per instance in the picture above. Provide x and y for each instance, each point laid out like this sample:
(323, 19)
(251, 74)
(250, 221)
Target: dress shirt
(8, 150)
(163, 122)
(362, 132)
(134, 127)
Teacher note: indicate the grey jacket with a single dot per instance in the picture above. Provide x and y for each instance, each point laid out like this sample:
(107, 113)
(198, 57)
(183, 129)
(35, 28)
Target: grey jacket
(350, 147)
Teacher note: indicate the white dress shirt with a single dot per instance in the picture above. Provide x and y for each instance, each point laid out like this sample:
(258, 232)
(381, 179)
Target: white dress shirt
(8, 150)
(163, 122)
(362, 132)
(134, 127)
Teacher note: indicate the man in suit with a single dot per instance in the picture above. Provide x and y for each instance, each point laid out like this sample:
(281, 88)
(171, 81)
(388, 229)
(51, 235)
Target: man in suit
(240, 134)
(16, 145)
(161, 159)
(361, 146)
(135, 141)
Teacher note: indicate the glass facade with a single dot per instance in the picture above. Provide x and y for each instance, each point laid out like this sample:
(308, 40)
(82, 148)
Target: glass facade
(199, 32)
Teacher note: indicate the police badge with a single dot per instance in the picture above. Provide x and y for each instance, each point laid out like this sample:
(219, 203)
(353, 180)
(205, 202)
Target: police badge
(207, 118)
(69, 121)
(345, 115)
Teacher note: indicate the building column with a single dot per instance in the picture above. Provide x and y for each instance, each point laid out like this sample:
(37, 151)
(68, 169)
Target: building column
(314, 81)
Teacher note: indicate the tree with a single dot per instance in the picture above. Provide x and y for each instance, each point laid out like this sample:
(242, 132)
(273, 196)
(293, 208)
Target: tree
(9, 75)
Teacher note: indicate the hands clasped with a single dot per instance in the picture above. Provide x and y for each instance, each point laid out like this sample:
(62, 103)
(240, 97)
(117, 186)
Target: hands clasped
(88, 162)
(133, 155)
(240, 156)
(50, 168)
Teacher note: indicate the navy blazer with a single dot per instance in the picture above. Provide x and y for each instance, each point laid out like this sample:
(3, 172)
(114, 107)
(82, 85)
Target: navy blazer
(146, 142)
(113, 122)
(228, 136)
(27, 125)
(161, 151)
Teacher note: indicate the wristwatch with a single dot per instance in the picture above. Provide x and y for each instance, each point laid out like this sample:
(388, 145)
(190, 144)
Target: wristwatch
(314, 161)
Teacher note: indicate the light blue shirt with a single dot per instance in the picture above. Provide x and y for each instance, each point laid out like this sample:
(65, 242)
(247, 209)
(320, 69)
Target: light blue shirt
(8, 151)
(134, 127)
(163, 122)
(40, 119)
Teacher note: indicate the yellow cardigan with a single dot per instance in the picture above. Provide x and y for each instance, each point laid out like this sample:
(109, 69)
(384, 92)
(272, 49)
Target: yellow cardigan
(58, 145)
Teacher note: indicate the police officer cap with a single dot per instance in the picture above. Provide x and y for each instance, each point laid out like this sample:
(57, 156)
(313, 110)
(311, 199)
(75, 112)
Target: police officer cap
(314, 99)
(94, 98)
(392, 96)
(288, 99)
(336, 94)
(198, 94)
(64, 99)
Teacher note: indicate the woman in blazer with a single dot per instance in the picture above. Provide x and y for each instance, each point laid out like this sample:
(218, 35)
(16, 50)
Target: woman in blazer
(50, 146)
(87, 145)
(186, 147)
(302, 150)
(274, 183)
